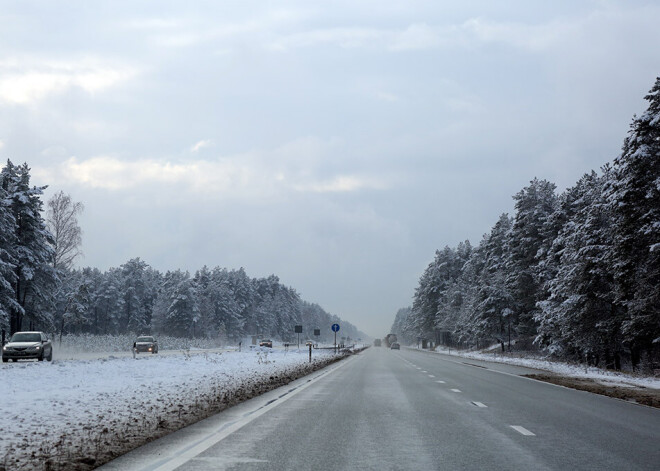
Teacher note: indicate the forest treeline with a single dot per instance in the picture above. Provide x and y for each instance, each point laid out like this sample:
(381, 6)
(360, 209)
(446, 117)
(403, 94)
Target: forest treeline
(576, 274)
(39, 290)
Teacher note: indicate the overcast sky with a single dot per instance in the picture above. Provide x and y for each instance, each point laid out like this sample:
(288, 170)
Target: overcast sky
(336, 144)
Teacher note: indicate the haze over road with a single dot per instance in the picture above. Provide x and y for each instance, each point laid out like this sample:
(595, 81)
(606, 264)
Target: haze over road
(407, 409)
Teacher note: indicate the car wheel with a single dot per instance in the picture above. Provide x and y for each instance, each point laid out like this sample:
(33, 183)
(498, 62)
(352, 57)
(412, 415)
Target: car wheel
(5, 360)
(41, 357)
(14, 360)
(50, 355)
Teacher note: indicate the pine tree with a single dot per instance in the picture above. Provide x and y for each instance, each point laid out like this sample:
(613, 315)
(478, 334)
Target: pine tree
(8, 302)
(580, 318)
(635, 198)
(494, 298)
(31, 250)
(527, 238)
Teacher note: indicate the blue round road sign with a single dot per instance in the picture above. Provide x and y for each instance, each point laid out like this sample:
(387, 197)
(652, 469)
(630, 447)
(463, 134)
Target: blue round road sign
(335, 327)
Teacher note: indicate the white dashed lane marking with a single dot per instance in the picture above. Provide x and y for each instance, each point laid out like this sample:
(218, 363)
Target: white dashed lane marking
(522, 430)
(431, 376)
(441, 382)
(479, 404)
(456, 390)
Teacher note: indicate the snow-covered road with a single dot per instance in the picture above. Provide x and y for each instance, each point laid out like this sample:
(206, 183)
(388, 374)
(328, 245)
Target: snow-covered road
(80, 412)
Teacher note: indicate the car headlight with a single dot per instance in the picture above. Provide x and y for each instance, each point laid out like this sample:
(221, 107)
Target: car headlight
(37, 348)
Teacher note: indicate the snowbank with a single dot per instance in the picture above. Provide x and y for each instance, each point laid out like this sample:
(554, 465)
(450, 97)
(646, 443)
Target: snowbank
(79, 414)
(565, 369)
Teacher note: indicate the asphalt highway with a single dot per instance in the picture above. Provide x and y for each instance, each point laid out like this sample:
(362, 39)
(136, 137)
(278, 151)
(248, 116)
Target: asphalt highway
(408, 410)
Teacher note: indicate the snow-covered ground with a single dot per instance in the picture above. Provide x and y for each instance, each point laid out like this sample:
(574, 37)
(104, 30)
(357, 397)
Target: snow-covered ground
(565, 369)
(89, 408)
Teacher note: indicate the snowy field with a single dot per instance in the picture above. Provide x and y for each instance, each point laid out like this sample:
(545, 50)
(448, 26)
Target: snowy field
(75, 414)
(564, 369)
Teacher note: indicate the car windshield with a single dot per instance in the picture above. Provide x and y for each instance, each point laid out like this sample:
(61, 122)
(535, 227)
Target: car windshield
(145, 339)
(25, 337)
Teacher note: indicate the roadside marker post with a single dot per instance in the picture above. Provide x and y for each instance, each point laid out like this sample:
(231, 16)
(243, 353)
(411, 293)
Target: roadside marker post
(298, 330)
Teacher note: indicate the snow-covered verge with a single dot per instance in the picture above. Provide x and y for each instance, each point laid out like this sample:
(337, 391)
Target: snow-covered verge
(123, 343)
(564, 369)
(76, 415)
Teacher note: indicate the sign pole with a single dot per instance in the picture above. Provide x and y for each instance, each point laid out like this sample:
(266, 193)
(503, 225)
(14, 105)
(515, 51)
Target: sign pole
(335, 329)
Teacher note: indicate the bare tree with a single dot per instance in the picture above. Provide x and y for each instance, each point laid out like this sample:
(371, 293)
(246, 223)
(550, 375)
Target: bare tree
(62, 218)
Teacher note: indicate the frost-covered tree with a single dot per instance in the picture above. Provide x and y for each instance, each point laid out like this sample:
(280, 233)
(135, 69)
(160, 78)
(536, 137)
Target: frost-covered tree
(580, 317)
(139, 285)
(494, 300)
(399, 327)
(182, 314)
(8, 302)
(62, 219)
(635, 198)
(527, 239)
(75, 317)
(433, 284)
(30, 251)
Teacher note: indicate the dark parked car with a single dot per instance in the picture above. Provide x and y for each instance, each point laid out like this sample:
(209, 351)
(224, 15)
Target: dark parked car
(266, 343)
(27, 345)
(145, 343)
(395, 346)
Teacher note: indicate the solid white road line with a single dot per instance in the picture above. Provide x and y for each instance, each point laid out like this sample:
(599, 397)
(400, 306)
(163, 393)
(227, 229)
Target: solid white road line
(522, 430)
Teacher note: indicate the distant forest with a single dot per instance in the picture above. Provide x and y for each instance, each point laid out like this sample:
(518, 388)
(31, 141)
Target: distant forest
(40, 289)
(576, 274)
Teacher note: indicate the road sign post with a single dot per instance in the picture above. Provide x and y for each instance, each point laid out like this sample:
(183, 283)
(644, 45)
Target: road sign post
(335, 329)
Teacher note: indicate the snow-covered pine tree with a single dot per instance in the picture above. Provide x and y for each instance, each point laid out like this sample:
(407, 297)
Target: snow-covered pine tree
(228, 311)
(493, 297)
(31, 250)
(635, 198)
(139, 285)
(579, 318)
(109, 302)
(534, 205)
(432, 287)
(399, 326)
(8, 302)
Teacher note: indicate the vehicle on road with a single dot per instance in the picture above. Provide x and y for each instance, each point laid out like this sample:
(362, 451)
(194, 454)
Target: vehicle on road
(26, 346)
(395, 346)
(376, 342)
(145, 343)
(266, 343)
(390, 339)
